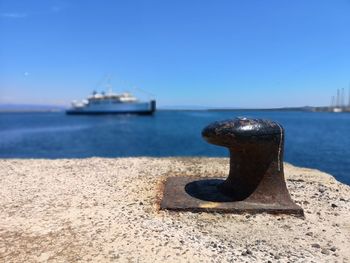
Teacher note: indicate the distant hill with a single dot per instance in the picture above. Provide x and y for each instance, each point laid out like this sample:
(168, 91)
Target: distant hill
(182, 107)
(305, 108)
(29, 107)
(189, 107)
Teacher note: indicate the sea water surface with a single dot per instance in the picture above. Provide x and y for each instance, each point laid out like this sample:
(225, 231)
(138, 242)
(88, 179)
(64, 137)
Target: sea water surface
(314, 140)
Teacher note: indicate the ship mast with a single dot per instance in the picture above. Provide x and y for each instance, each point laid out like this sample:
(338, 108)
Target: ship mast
(349, 96)
(338, 98)
(333, 102)
(108, 85)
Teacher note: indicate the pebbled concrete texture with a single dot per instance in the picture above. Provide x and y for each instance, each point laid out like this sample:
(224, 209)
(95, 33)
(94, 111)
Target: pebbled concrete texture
(107, 210)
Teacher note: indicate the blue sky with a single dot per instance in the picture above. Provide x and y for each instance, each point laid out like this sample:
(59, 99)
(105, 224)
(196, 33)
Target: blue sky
(208, 53)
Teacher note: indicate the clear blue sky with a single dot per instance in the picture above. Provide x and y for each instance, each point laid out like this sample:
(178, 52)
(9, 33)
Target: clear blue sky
(209, 53)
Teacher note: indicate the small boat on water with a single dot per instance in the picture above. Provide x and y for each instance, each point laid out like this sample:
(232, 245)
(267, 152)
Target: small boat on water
(112, 103)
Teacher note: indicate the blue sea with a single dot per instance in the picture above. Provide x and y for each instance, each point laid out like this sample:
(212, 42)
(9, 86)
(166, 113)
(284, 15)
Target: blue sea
(315, 140)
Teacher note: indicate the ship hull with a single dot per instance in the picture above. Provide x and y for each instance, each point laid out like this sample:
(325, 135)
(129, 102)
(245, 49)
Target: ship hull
(79, 112)
(146, 108)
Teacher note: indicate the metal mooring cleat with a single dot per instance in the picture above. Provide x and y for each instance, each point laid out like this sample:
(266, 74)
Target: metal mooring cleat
(256, 181)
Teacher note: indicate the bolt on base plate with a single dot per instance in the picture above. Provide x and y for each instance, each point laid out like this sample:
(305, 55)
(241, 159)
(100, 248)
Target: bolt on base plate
(203, 195)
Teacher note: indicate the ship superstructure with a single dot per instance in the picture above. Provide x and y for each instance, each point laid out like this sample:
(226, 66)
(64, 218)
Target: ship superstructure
(112, 103)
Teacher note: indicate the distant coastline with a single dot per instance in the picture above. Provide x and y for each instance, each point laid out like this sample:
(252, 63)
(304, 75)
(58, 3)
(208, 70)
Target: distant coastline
(9, 108)
(305, 109)
(4, 108)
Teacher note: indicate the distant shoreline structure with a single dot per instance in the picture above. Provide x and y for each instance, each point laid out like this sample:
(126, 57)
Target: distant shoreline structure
(332, 109)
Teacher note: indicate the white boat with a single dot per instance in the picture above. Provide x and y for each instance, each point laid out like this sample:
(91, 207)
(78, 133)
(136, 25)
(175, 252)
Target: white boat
(336, 109)
(112, 103)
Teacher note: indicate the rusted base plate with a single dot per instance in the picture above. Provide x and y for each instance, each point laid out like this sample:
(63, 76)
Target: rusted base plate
(202, 195)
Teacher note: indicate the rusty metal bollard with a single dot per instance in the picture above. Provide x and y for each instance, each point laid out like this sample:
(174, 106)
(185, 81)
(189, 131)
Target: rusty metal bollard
(256, 180)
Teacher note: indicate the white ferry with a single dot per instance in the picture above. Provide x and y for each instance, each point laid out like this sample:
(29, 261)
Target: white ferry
(112, 103)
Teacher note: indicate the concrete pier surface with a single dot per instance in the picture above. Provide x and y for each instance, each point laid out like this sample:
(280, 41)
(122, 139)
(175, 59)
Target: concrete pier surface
(107, 210)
